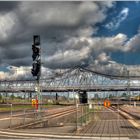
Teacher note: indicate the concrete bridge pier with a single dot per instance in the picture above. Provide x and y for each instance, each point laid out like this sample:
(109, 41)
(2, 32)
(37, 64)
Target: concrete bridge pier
(83, 98)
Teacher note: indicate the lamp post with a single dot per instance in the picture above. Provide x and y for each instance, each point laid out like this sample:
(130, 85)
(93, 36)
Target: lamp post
(11, 113)
(76, 99)
(128, 86)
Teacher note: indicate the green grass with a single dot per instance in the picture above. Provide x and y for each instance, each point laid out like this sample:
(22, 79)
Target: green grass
(21, 107)
(17, 107)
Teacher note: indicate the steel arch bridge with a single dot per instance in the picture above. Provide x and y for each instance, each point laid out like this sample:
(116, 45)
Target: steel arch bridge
(76, 79)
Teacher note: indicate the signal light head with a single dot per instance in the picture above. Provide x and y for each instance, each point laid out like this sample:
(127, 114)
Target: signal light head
(36, 56)
(36, 40)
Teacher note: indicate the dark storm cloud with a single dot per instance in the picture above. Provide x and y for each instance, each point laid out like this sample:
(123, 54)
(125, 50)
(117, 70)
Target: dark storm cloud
(14, 55)
(17, 52)
(6, 6)
(66, 30)
(54, 21)
(26, 61)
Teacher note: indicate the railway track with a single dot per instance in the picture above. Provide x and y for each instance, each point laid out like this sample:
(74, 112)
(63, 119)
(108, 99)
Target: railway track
(22, 135)
(55, 114)
(99, 128)
(126, 113)
(112, 122)
(132, 112)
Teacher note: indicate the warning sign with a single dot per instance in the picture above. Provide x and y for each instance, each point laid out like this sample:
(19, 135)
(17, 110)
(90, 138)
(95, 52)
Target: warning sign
(35, 103)
(107, 103)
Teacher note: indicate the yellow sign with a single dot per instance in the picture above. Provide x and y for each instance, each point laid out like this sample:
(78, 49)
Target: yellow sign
(33, 102)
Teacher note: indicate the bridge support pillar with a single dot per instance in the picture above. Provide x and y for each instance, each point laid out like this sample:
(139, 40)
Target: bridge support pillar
(30, 95)
(83, 98)
(56, 99)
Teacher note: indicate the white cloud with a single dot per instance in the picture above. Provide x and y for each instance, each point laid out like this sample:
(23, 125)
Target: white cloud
(3, 75)
(67, 58)
(15, 73)
(7, 22)
(79, 49)
(103, 58)
(134, 43)
(87, 31)
(22, 73)
(115, 23)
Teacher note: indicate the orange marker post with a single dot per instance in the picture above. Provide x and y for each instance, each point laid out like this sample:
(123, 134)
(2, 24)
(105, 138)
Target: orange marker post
(107, 103)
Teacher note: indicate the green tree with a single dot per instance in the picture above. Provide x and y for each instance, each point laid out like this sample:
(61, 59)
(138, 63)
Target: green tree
(96, 96)
(12, 96)
(124, 95)
(19, 97)
(111, 96)
(0, 97)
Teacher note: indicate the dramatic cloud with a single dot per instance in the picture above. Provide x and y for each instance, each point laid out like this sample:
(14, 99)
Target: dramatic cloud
(81, 49)
(56, 22)
(68, 34)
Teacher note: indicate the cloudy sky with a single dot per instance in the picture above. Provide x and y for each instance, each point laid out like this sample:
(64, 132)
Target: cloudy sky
(72, 34)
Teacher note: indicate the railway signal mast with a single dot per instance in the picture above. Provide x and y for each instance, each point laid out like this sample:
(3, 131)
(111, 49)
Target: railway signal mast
(36, 66)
